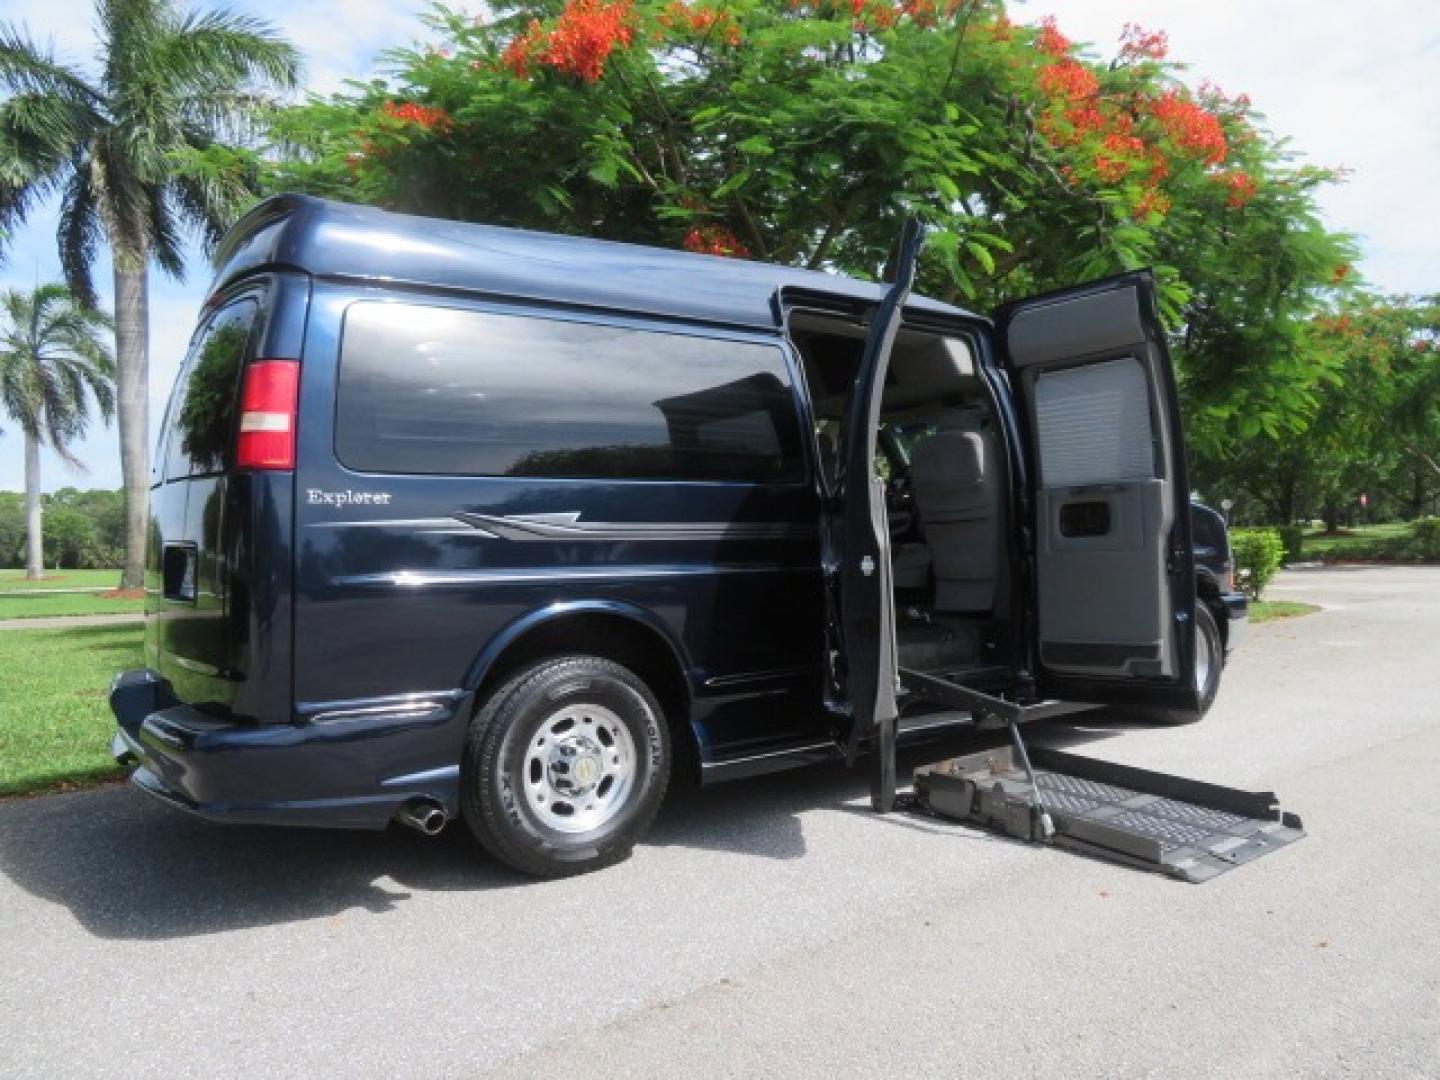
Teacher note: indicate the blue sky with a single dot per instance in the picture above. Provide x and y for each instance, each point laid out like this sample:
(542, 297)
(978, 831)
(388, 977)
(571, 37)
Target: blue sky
(1354, 85)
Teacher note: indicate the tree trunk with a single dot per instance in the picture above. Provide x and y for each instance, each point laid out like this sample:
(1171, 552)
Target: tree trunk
(34, 538)
(132, 381)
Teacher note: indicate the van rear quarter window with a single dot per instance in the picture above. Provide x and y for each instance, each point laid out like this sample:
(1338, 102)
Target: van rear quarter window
(201, 416)
(436, 390)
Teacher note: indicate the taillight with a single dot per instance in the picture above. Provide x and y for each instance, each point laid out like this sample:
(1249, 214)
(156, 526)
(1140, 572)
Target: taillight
(268, 403)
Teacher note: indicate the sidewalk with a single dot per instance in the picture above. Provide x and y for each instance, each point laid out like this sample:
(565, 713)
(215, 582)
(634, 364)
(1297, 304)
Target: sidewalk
(60, 622)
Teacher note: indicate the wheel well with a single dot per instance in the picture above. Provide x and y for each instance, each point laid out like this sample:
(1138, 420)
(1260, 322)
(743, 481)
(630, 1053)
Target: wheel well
(626, 642)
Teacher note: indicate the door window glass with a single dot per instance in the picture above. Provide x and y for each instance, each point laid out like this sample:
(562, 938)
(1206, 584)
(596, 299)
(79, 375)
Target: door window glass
(444, 390)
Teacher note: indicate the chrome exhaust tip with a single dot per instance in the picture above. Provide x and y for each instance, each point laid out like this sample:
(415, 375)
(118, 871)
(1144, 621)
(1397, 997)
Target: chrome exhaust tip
(424, 816)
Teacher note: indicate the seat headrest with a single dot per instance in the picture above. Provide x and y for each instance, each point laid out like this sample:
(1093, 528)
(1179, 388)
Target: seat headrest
(948, 457)
(967, 419)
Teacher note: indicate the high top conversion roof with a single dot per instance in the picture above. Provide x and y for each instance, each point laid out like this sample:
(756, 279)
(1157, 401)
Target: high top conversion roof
(361, 243)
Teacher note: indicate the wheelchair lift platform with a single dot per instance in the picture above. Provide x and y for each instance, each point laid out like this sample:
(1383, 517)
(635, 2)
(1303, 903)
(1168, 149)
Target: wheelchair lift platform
(1187, 829)
(1149, 820)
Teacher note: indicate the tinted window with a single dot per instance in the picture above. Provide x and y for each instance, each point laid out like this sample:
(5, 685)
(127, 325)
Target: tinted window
(202, 409)
(439, 390)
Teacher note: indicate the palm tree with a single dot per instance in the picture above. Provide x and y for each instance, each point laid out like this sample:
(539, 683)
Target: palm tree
(52, 362)
(140, 155)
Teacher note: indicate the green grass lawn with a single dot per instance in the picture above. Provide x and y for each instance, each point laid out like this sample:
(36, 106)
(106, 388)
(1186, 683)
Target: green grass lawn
(18, 605)
(55, 723)
(1318, 542)
(14, 580)
(1266, 610)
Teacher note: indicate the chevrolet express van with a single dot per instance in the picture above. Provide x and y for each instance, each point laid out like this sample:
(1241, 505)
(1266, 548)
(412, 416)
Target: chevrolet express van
(458, 521)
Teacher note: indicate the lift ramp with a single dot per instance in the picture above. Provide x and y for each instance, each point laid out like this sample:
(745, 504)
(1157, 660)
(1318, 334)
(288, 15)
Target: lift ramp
(1150, 820)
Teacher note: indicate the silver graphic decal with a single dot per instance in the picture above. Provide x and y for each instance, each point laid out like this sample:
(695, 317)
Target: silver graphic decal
(568, 526)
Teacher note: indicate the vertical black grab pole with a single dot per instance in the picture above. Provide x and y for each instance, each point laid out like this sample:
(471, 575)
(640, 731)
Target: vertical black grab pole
(868, 597)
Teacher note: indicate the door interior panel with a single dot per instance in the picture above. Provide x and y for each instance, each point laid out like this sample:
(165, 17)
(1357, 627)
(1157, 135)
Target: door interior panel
(1108, 590)
(1092, 379)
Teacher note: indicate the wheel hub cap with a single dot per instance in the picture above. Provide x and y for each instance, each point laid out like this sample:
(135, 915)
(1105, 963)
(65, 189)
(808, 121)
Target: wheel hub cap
(580, 767)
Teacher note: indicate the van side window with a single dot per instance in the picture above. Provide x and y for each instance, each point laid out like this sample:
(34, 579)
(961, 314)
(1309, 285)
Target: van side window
(202, 410)
(443, 390)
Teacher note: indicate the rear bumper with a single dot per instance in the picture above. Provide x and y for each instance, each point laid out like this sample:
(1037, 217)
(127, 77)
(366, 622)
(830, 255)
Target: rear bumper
(1236, 609)
(351, 770)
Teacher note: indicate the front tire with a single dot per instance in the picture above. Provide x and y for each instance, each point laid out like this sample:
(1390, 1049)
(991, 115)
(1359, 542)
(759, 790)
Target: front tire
(565, 767)
(1209, 663)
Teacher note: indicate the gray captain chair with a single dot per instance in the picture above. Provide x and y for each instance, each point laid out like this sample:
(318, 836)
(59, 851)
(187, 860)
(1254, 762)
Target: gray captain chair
(956, 479)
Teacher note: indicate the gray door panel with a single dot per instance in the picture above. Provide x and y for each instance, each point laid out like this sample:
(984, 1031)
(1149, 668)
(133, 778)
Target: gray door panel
(1095, 382)
(1104, 605)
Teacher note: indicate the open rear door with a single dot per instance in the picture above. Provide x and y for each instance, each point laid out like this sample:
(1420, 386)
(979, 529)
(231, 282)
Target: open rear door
(1109, 494)
(867, 600)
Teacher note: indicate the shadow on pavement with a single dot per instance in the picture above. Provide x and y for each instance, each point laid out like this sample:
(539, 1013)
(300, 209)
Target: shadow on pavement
(129, 868)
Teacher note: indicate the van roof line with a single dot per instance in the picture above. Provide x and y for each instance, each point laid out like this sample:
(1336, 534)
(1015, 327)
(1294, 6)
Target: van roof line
(343, 240)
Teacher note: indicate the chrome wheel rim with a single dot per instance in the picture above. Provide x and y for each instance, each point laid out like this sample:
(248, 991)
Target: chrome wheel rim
(1204, 659)
(579, 768)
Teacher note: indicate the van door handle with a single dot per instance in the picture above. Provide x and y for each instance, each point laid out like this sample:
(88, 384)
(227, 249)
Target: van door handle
(179, 567)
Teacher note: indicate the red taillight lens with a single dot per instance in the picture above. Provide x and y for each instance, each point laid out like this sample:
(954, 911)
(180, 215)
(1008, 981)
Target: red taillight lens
(267, 415)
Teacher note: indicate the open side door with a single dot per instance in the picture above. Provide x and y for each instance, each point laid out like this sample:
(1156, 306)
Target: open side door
(867, 600)
(1109, 502)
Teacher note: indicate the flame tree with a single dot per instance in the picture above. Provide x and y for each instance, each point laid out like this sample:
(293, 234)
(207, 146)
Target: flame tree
(802, 131)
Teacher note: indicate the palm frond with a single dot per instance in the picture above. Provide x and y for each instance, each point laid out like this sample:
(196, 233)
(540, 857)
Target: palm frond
(28, 68)
(222, 51)
(79, 234)
(167, 243)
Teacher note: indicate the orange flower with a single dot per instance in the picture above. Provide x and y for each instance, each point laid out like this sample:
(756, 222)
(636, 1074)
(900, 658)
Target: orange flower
(519, 56)
(431, 118)
(585, 35)
(1242, 188)
(715, 240)
(1069, 79)
(581, 41)
(1191, 127)
(1050, 40)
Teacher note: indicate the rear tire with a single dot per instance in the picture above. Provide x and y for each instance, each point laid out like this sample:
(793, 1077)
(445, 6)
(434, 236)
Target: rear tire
(565, 767)
(1209, 663)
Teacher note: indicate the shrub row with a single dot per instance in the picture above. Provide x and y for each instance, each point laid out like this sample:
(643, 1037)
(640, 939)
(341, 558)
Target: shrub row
(1422, 545)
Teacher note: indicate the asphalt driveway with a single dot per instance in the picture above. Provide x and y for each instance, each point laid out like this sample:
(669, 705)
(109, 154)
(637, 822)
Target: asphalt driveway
(776, 927)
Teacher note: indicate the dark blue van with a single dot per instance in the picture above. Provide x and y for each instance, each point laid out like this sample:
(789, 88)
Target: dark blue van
(450, 520)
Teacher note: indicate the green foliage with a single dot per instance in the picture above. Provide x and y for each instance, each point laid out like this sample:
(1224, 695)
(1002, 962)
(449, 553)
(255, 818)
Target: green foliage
(83, 530)
(12, 529)
(1418, 543)
(1292, 537)
(1425, 533)
(801, 133)
(1373, 428)
(1258, 554)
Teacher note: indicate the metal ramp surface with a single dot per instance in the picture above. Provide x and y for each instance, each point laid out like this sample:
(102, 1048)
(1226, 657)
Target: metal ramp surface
(1187, 829)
